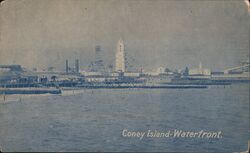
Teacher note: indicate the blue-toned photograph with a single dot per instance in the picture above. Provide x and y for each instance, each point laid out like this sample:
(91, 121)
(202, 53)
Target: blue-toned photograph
(124, 76)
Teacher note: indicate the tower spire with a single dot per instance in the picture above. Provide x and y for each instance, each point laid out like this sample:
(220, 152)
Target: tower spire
(120, 57)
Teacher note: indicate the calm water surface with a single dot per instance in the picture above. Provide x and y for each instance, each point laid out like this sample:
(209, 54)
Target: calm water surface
(93, 120)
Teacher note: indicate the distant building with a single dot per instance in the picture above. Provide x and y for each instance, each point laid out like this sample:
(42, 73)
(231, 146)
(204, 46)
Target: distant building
(186, 72)
(98, 64)
(243, 68)
(16, 74)
(160, 70)
(199, 71)
(51, 68)
(5, 68)
(120, 57)
(77, 67)
(92, 74)
(132, 74)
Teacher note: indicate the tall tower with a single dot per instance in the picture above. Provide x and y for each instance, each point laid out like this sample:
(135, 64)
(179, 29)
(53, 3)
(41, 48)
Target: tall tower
(120, 57)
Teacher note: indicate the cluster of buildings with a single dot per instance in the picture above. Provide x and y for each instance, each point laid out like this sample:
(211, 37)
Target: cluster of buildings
(99, 73)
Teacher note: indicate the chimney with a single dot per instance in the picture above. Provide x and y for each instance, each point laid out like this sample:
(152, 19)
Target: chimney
(67, 66)
(77, 66)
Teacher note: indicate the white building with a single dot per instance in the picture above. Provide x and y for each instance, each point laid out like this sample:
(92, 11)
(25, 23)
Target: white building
(160, 70)
(199, 71)
(131, 74)
(87, 74)
(120, 57)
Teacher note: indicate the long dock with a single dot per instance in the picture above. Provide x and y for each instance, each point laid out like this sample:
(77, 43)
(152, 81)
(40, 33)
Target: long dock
(141, 86)
(7, 91)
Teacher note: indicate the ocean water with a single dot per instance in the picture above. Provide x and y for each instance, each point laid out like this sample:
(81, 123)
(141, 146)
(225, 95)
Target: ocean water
(93, 120)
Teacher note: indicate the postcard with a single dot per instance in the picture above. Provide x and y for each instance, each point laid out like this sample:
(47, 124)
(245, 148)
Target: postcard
(124, 76)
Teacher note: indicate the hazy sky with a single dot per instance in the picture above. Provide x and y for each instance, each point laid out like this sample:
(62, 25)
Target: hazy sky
(42, 33)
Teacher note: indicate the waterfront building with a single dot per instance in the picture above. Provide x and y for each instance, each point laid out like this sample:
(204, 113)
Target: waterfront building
(77, 67)
(92, 74)
(160, 70)
(16, 74)
(97, 65)
(200, 71)
(132, 74)
(243, 68)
